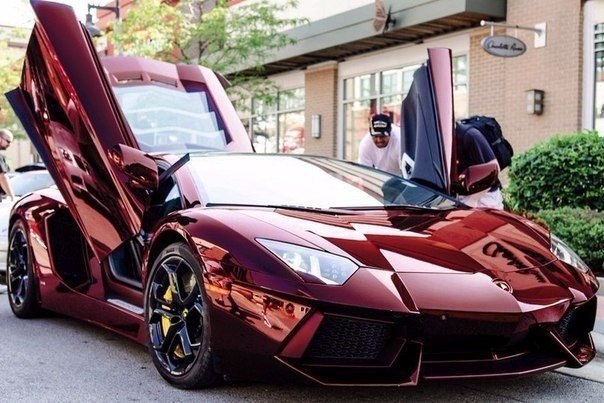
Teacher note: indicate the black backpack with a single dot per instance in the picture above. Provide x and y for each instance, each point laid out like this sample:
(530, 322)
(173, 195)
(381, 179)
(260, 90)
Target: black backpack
(491, 131)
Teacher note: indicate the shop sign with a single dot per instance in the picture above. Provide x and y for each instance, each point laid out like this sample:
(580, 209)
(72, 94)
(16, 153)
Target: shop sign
(503, 45)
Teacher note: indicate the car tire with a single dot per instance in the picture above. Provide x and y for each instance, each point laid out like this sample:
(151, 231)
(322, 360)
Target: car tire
(20, 278)
(177, 318)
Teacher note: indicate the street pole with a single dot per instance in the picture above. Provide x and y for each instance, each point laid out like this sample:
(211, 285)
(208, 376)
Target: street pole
(94, 31)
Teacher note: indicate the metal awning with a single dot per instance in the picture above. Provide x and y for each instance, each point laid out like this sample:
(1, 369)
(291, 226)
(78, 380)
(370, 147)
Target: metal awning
(352, 33)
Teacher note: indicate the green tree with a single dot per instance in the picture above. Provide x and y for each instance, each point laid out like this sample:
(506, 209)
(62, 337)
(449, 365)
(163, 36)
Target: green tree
(11, 63)
(234, 41)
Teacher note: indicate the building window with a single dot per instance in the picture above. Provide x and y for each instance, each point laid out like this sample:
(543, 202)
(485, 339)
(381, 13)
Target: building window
(279, 127)
(368, 94)
(599, 77)
(460, 86)
(384, 92)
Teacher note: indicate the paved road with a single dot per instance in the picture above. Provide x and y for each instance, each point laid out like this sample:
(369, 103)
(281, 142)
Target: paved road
(59, 359)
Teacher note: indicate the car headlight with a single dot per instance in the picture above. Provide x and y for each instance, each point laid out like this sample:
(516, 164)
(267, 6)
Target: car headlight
(566, 254)
(324, 266)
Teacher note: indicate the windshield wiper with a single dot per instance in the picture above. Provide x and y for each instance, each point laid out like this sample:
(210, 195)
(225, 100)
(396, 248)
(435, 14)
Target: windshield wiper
(193, 146)
(416, 207)
(394, 207)
(275, 206)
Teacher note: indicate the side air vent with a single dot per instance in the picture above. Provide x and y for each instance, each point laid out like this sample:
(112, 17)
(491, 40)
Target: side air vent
(347, 338)
(577, 321)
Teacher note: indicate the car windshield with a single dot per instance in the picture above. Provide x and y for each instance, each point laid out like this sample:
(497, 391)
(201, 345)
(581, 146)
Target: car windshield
(305, 181)
(28, 182)
(167, 119)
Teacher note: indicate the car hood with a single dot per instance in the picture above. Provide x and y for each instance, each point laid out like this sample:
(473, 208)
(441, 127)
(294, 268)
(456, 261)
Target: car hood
(454, 241)
(461, 259)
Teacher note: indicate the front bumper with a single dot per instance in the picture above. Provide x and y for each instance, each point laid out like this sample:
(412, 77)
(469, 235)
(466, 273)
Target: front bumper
(333, 349)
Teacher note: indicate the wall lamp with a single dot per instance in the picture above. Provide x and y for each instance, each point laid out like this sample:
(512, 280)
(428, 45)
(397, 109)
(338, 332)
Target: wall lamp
(93, 29)
(315, 126)
(534, 102)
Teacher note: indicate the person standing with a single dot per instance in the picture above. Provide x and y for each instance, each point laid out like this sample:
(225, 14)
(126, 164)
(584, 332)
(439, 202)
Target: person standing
(474, 149)
(381, 147)
(6, 137)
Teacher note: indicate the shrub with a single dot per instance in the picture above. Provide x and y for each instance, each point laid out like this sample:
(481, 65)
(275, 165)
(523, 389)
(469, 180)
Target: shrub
(562, 171)
(582, 229)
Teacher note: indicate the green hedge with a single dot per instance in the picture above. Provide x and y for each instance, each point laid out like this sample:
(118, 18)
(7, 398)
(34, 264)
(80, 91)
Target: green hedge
(562, 171)
(582, 229)
(560, 183)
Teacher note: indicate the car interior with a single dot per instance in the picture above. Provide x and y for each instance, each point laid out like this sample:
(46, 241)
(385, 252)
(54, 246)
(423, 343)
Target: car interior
(124, 264)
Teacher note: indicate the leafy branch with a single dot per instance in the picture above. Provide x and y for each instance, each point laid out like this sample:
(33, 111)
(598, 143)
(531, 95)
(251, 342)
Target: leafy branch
(236, 40)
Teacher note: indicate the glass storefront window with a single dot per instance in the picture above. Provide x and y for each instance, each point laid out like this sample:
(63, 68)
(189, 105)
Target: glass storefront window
(291, 132)
(599, 77)
(356, 122)
(291, 99)
(391, 105)
(391, 82)
(367, 86)
(279, 127)
(460, 86)
(460, 72)
(260, 107)
(359, 105)
(408, 78)
(264, 133)
(361, 99)
(361, 86)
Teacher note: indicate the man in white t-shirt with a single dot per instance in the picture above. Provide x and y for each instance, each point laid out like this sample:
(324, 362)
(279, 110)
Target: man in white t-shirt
(381, 147)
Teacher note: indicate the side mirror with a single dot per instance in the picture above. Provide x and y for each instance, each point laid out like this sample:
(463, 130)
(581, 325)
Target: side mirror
(478, 177)
(138, 166)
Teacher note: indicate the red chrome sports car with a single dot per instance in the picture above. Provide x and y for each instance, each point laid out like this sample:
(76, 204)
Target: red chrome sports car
(272, 267)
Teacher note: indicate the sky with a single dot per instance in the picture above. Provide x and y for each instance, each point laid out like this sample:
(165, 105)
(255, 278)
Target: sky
(18, 12)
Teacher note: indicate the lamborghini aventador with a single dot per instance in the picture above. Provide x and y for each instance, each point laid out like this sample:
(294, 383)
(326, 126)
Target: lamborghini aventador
(167, 228)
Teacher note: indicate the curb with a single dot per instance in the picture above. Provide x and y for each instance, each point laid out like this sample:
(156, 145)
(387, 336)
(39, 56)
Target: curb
(599, 343)
(599, 325)
(598, 332)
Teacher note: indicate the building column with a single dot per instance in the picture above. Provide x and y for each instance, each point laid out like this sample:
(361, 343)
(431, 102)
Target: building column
(321, 98)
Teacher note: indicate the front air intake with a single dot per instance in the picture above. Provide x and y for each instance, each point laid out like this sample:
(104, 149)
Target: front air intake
(577, 321)
(349, 339)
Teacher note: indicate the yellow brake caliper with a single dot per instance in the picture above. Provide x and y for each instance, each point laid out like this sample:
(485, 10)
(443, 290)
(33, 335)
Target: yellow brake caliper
(165, 322)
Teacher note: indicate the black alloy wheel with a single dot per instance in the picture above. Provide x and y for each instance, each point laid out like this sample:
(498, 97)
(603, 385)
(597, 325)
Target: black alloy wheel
(177, 318)
(22, 295)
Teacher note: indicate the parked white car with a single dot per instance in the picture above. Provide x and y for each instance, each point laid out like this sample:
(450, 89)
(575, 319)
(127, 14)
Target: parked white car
(22, 183)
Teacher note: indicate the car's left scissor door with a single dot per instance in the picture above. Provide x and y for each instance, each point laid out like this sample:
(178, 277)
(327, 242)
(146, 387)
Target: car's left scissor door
(70, 113)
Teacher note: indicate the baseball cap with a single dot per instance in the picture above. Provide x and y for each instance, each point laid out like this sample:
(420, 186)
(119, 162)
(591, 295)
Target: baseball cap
(380, 125)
